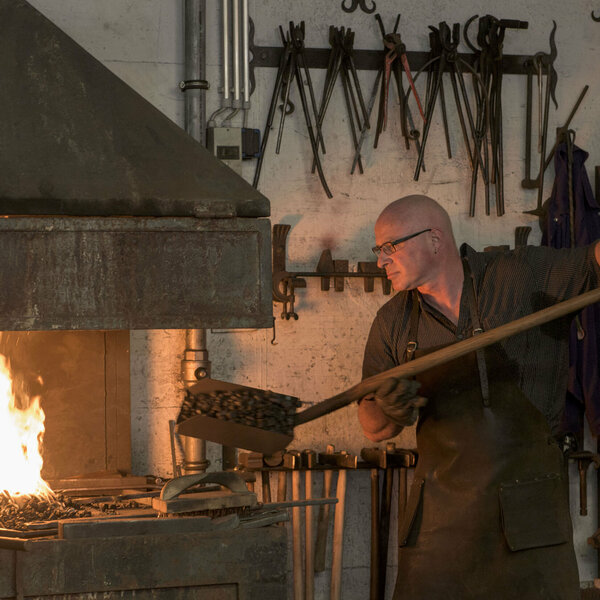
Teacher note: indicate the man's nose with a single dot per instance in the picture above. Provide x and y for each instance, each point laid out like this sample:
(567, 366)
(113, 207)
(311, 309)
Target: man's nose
(382, 260)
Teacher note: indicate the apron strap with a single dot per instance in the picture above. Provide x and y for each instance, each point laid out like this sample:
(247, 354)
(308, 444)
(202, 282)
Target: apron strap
(477, 329)
(413, 331)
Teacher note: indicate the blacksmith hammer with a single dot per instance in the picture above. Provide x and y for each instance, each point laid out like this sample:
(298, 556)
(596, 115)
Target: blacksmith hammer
(387, 458)
(343, 461)
(584, 459)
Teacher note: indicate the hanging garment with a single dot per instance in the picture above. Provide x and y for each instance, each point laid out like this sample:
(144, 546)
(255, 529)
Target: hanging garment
(583, 392)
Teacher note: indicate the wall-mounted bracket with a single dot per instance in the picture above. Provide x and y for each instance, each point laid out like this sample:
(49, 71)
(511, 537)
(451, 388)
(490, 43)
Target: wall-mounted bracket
(371, 60)
(285, 282)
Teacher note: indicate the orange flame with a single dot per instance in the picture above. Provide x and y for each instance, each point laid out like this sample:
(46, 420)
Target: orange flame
(21, 433)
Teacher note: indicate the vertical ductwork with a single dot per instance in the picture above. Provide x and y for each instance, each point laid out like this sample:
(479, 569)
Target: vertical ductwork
(195, 364)
(195, 68)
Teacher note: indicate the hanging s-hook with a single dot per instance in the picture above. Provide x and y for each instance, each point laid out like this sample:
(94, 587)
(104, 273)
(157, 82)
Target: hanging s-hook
(355, 4)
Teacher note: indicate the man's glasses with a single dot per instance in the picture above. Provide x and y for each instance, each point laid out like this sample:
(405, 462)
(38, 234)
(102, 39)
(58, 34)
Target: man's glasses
(390, 247)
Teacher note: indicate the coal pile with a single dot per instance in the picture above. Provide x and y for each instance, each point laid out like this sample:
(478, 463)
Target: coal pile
(17, 511)
(263, 409)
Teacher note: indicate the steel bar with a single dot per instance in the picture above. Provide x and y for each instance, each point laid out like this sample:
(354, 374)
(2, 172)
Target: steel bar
(225, 33)
(371, 60)
(235, 17)
(245, 53)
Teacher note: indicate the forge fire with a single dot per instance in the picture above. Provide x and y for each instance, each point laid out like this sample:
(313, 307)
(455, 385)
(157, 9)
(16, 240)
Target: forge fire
(25, 496)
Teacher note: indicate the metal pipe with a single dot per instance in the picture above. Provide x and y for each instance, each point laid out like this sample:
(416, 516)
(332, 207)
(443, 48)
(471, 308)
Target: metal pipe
(226, 100)
(245, 51)
(195, 67)
(195, 363)
(235, 16)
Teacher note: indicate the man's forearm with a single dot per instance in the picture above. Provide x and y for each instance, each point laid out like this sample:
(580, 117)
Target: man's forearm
(375, 425)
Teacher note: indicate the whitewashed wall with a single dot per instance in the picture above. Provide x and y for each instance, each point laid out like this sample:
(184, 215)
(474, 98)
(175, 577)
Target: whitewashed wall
(320, 354)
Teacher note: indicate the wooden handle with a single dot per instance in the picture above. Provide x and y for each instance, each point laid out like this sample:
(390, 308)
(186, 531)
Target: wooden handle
(337, 554)
(439, 357)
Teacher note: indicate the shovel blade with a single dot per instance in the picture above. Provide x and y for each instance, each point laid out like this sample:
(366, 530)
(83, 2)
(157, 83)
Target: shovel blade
(234, 435)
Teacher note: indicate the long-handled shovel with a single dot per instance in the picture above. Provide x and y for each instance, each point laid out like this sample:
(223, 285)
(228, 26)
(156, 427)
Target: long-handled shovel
(268, 442)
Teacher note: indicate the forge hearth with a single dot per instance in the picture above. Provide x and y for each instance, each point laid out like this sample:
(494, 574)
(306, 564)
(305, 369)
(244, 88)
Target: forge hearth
(128, 549)
(248, 564)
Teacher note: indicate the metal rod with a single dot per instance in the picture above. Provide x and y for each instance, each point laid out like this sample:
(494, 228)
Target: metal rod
(195, 68)
(245, 53)
(195, 354)
(226, 100)
(235, 16)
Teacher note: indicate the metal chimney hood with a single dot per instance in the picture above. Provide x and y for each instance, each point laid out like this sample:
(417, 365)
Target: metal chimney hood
(75, 139)
(114, 217)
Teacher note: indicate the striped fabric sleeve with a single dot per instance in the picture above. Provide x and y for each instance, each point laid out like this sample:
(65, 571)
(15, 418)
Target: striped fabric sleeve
(563, 273)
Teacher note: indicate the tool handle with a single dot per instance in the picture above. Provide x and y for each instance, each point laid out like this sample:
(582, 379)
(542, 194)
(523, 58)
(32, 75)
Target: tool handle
(439, 357)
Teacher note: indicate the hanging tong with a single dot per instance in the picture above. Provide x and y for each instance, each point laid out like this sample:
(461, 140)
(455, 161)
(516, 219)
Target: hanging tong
(396, 62)
(449, 59)
(543, 61)
(489, 56)
(293, 66)
(341, 63)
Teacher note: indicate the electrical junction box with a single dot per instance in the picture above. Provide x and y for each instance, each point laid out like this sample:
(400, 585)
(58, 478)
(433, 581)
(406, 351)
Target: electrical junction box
(226, 144)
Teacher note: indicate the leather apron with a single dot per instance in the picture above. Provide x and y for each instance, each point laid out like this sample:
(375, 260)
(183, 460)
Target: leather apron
(487, 516)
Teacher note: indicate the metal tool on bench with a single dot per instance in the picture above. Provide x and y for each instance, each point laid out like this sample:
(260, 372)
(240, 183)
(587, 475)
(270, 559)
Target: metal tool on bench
(261, 440)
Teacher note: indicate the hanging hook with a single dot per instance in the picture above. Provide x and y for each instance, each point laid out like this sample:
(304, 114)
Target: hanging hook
(594, 18)
(273, 342)
(355, 4)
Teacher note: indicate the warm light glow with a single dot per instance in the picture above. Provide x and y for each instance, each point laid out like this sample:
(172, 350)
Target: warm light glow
(21, 432)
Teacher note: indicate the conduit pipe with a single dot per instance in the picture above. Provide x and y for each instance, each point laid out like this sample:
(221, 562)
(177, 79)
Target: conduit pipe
(195, 363)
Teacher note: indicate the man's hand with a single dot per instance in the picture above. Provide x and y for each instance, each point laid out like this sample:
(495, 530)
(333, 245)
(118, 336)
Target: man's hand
(399, 402)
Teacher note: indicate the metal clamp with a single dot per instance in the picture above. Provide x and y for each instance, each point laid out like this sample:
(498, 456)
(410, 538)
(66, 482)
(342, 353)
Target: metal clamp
(194, 84)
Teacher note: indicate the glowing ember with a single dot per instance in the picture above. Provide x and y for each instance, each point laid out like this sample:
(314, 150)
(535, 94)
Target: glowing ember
(21, 432)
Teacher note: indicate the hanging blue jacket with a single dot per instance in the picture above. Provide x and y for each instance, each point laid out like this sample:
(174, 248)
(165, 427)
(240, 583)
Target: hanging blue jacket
(583, 393)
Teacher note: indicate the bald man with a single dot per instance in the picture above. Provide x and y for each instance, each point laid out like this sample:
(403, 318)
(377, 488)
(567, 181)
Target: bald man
(487, 515)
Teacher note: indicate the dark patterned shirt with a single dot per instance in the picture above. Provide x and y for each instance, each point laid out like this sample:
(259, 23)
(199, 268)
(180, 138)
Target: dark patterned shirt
(509, 285)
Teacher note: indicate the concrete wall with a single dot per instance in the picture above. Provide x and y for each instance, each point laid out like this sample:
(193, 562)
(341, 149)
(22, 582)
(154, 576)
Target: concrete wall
(320, 354)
